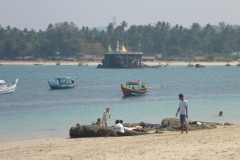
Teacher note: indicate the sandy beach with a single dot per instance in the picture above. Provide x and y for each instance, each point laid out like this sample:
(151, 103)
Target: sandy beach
(219, 143)
(171, 63)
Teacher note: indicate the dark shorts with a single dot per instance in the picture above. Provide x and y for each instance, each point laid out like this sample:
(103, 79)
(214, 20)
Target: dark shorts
(182, 118)
(120, 133)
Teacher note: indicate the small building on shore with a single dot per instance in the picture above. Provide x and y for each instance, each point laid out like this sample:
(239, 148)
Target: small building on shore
(200, 58)
(148, 58)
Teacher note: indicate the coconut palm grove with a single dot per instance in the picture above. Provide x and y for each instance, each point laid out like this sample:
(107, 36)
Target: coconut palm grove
(69, 40)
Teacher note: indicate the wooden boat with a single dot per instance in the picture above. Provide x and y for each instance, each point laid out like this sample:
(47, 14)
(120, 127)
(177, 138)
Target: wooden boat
(62, 82)
(82, 64)
(58, 63)
(136, 88)
(228, 65)
(7, 88)
(199, 66)
(166, 65)
(38, 64)
(189, 65)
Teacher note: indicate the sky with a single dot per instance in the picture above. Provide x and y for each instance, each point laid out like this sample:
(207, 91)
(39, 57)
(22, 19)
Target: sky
(38, 14)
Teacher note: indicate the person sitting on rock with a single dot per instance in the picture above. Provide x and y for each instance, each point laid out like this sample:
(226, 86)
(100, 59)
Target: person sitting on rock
(98, 122)
(121, 121)
(117, 131)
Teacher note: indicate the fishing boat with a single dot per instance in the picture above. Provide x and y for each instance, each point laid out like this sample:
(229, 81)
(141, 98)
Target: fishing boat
(189, 65)
(134, 88)
(228, 64)
(7, 88)
(38, 64)
(238, 64)
(58, 63)
(199, 66)
(62, 82)
(82, 64)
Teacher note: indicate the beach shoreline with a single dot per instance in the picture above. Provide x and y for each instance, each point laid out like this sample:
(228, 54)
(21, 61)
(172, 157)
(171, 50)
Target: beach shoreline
(219, 143)
(67, 63)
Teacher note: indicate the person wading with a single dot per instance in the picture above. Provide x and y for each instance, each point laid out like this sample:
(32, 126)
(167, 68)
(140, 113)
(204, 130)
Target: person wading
(183, 108)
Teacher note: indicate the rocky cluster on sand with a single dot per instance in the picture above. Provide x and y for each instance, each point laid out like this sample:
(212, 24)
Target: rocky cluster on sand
(168, 124)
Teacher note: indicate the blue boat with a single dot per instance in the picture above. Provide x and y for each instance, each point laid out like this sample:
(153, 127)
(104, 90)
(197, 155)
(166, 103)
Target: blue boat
(62, 82)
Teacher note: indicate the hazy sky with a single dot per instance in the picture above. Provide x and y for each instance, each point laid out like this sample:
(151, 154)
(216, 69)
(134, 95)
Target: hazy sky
(38, 14)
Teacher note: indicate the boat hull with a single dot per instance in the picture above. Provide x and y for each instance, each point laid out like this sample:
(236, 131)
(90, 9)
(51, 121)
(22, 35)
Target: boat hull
(132, 92)
(9, 88)
(62, 86)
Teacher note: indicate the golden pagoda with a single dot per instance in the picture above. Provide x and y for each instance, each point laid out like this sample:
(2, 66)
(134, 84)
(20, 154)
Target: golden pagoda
(109, 48)
(123, 49)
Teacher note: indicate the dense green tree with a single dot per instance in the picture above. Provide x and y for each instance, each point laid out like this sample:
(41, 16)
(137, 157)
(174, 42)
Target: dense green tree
(159, 38)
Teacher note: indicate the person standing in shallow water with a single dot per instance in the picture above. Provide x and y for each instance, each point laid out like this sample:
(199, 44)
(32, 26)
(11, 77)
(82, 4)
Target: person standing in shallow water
(183, 109)
(106, 116)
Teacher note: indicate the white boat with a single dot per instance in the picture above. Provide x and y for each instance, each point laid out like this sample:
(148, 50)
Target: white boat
(7, 88)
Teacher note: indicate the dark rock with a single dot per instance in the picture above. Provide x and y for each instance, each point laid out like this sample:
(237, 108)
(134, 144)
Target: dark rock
(127, 124)
(170, 121)
(96, 131)
(169, 124)
(76, 132)
(228, 124)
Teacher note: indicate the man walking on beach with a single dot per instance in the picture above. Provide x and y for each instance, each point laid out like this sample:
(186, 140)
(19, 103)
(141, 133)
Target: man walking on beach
(183, 108)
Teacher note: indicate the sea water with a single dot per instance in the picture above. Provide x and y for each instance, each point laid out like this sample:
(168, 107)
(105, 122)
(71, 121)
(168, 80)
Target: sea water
(36, 111)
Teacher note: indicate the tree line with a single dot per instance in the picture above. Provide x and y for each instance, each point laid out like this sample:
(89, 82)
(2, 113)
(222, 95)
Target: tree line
(160, 38)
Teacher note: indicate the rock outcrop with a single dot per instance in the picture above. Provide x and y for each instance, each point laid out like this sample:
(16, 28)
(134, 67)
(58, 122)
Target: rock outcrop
(167, 124)
(96, 131)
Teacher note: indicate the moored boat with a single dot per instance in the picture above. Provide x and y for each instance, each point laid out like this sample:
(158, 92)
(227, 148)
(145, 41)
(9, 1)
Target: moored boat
(82, 64)
(135, 88)
(58, 63)
(228, 64)
(7, 88)
(189, 65)
(238, 64)
(199, 66)
(38, 64)
(62, 82)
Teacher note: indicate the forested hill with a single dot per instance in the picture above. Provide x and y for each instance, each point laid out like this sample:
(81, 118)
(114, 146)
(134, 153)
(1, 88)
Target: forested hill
(161, 38)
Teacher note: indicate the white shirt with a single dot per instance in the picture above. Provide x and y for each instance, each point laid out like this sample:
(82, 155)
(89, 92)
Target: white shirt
(182, 106)
(105, 117)
(119, 128)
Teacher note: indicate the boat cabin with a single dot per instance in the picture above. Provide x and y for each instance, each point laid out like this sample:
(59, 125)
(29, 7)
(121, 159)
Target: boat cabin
(136, 85)
(2, 82)
(64, 80)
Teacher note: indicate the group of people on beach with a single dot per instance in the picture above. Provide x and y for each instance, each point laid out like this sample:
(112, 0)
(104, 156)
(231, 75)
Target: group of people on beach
(119, 128)
(105, 118)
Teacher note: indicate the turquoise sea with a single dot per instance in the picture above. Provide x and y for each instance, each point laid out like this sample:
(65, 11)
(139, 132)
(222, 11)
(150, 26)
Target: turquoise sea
(36, 111)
